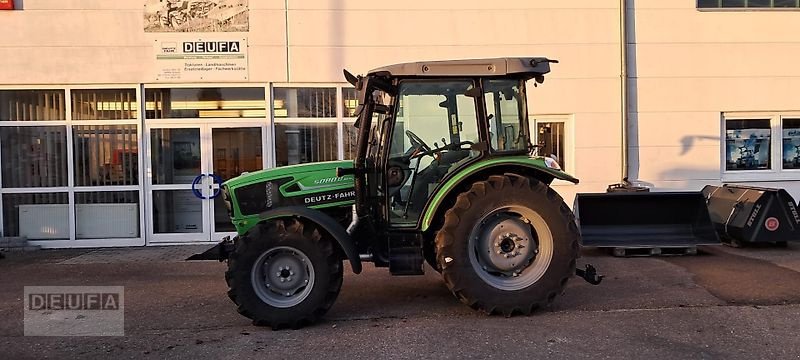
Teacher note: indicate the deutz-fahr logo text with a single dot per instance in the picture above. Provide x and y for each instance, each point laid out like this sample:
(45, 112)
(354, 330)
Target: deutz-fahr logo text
(340, 196)
(211, 46)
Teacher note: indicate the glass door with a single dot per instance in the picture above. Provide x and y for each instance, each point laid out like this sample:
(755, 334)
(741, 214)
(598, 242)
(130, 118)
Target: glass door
(235, 149)
(186, 165)
(175, 179)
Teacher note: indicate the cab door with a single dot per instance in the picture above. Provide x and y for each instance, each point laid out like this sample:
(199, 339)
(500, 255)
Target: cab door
(434, 133)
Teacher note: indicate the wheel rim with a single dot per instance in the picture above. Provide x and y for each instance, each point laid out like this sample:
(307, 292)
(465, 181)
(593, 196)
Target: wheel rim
(511, 248)
(282, 276)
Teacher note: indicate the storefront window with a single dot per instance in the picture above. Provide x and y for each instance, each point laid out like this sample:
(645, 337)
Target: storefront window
(205, 103)
(104, 104)
(107, 215)
(34, 156)
(304, 102)
(350, 140)
(747, 144)
(32, 105)
(791, 143)
(298, 143)
(41, 216)
(349, 102)
(106, 155)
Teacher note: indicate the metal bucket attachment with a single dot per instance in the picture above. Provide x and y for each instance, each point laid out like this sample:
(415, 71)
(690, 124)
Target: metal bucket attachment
(753, 214)
(644, 219)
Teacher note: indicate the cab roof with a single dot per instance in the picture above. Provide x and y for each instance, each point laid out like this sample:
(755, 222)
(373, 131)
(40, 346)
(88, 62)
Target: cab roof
(527, 67)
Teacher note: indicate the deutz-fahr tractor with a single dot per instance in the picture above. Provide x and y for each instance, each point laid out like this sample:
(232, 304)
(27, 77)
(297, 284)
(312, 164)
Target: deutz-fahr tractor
(444, 173)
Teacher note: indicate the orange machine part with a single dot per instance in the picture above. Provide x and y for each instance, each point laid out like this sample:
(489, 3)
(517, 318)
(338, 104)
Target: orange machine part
(6, 4)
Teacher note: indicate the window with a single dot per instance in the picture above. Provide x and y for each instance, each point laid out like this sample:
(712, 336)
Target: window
(505, 112)
(106, 155)
(32, 105)
(776, 4)
(349, 102)
(761, 146)
(95, 210)
(791, 143)
(307, 124)
(553, 135)
(299, 143)
(34, 156)
(66, 175)
(104, 104)
(432, 136)
(550, 139)
(304, 102)
(38, 216)
(350, 139)
(176, 155)
(206, 103)
(747, 144)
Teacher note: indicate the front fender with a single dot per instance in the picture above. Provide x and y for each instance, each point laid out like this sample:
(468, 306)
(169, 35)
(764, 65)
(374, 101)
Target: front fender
(444, 190)
(324, 221)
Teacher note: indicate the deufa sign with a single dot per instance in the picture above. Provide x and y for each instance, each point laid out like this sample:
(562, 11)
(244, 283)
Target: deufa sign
(6, 4)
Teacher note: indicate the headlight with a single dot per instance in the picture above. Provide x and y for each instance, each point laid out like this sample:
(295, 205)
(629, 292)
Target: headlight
(551, 163)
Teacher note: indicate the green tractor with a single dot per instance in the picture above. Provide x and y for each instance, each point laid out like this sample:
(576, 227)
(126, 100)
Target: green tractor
(444, 173)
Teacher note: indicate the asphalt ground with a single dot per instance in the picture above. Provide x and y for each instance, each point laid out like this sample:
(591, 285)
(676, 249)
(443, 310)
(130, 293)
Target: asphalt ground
(724, 303)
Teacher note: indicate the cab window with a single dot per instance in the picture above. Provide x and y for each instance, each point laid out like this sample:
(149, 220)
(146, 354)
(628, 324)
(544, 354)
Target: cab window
(505, 110)
(435, 128)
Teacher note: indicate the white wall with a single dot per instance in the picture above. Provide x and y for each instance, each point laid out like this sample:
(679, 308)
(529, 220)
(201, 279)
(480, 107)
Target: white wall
(690, 67)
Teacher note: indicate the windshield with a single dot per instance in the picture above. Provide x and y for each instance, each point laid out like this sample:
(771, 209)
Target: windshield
(505, 110)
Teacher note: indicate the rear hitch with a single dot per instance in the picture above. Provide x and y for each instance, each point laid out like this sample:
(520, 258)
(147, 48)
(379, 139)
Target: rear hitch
(589, 274)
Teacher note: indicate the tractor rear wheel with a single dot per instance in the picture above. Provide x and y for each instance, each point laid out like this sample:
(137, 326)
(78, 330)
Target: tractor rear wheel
(508, 245)
(284, 273)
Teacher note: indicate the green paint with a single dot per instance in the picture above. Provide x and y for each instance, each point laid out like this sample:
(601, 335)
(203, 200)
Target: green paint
(304, 179)
(534, 163)
(325, 169)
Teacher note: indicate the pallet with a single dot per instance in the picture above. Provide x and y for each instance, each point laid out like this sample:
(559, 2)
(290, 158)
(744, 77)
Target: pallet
(653, 251)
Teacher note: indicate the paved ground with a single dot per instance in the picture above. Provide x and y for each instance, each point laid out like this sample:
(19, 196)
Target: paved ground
(726, 303)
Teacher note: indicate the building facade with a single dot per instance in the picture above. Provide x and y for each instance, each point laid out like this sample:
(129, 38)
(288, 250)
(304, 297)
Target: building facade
(118, 119)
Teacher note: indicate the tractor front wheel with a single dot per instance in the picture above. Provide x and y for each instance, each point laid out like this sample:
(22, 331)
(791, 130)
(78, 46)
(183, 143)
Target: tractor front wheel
(508, 245)
(284, 273)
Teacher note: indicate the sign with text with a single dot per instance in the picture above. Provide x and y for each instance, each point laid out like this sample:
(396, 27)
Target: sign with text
(74, 311)
(201, 60)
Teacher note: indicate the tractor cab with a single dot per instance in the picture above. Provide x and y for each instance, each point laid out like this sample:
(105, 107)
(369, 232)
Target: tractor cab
(425, 121)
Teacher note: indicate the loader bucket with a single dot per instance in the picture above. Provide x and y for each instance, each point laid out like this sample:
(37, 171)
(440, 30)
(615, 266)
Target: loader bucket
(644, 219)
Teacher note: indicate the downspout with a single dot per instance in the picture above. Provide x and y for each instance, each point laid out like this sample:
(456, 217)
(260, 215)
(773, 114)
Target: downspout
(286, 36)
(623, 49)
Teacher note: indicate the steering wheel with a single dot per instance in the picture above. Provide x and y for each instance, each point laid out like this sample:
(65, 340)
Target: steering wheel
(417, 142)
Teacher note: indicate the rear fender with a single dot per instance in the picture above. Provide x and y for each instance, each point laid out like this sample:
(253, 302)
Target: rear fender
(327, 223)
(525, 166)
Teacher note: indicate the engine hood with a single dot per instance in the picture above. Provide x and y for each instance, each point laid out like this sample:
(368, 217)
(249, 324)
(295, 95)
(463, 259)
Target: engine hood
(306, 176)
